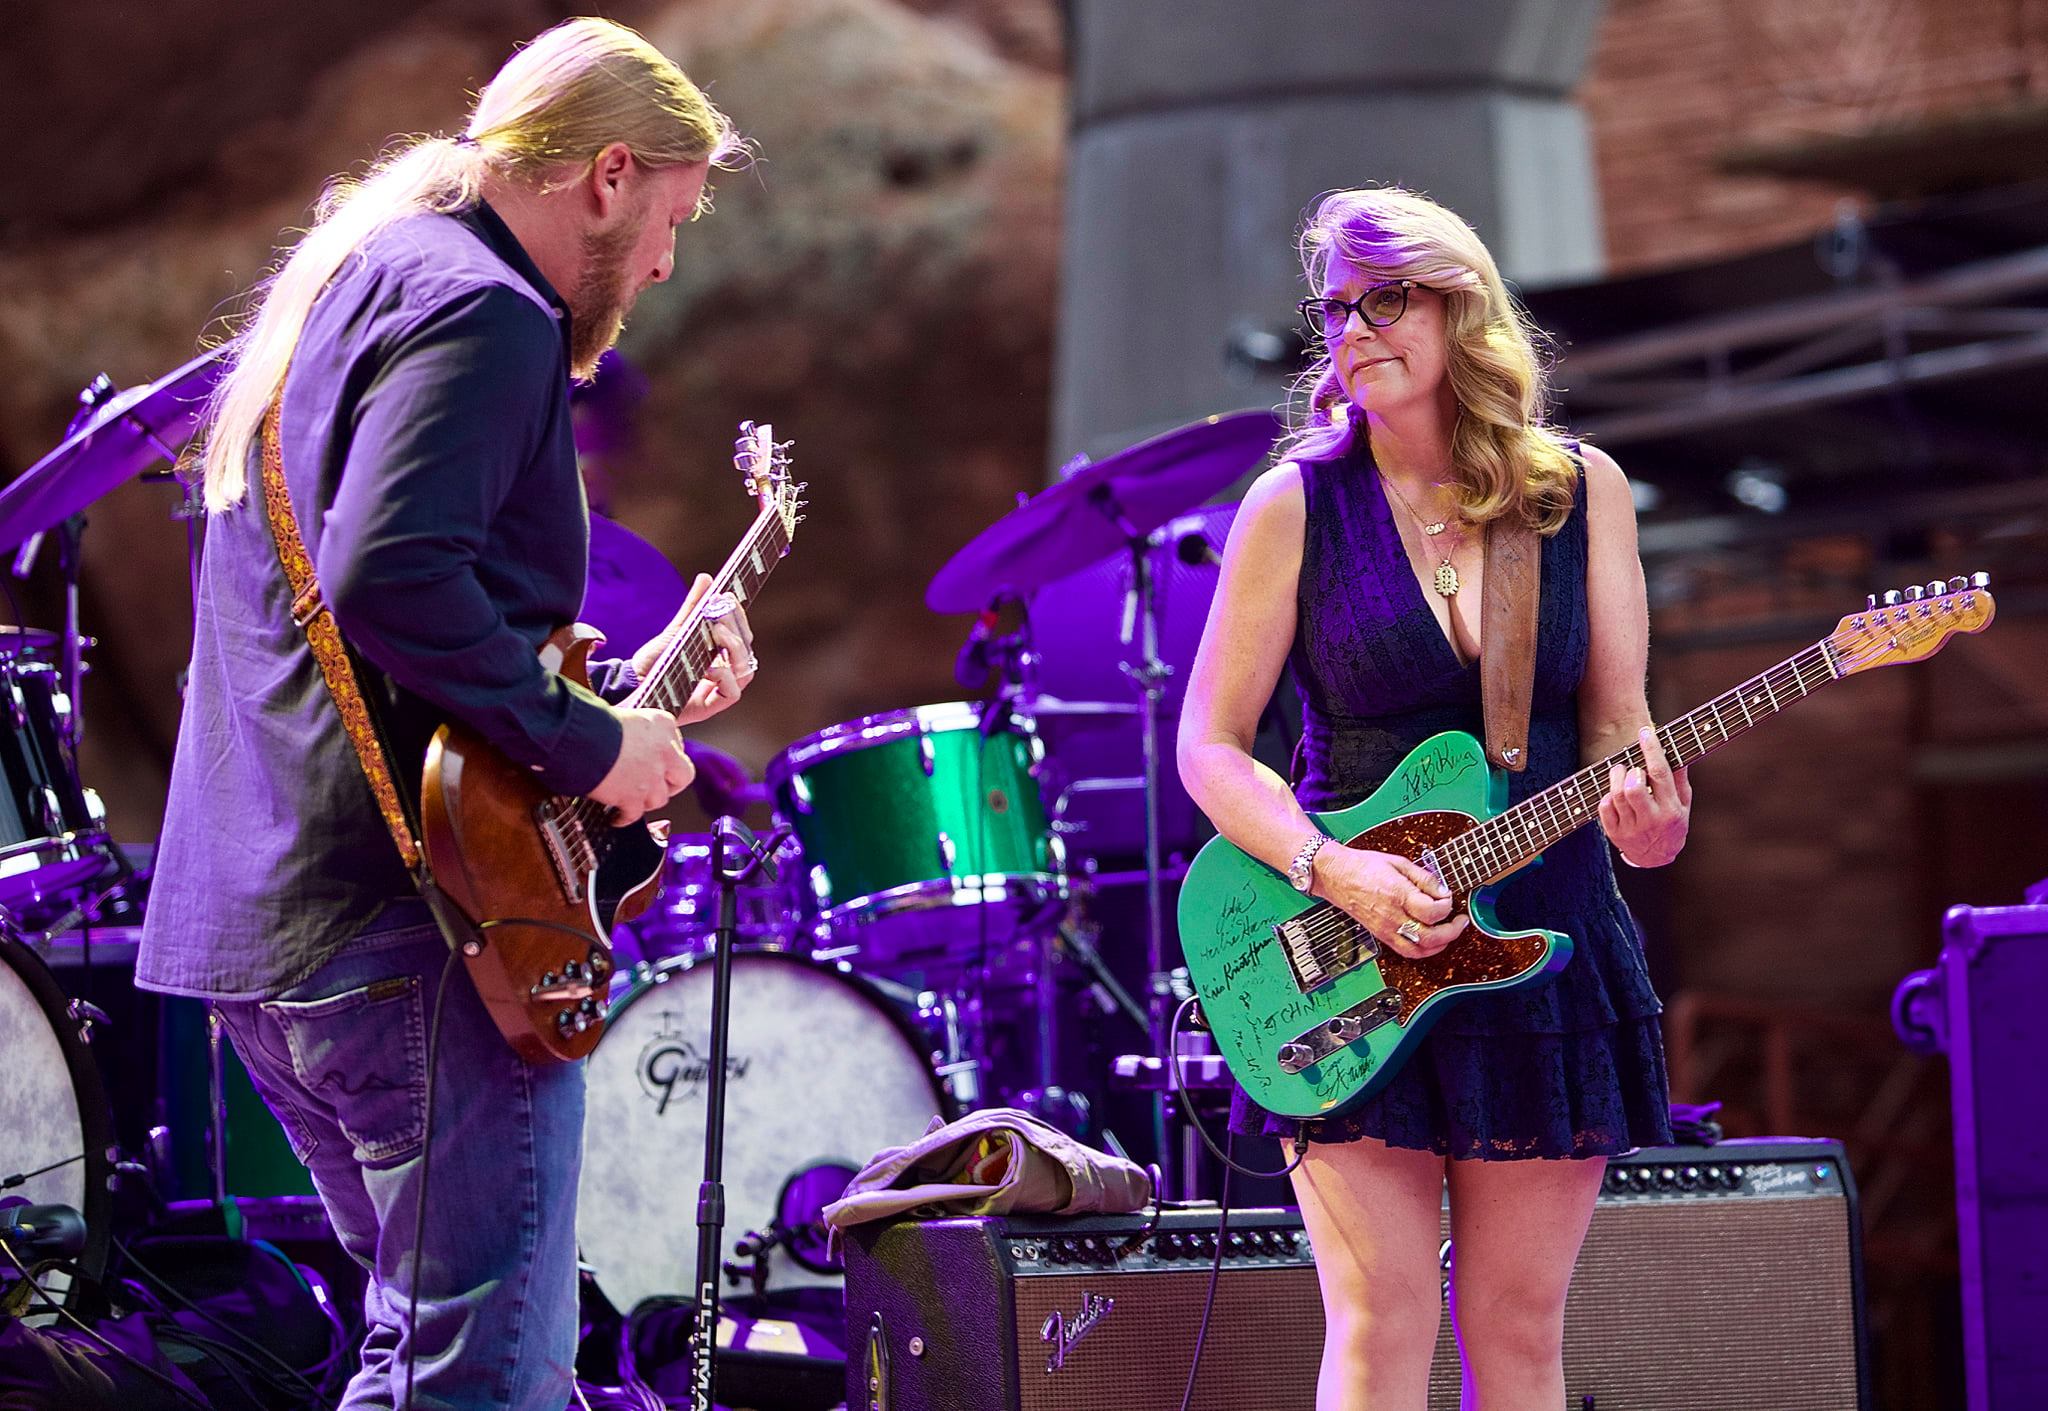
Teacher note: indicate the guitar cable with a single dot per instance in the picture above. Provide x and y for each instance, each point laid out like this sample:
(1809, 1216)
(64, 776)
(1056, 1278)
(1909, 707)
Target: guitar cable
(1179, 1086)
(419, 1215)
(1230, 1164)
(1187, 1395)
(177, 1390)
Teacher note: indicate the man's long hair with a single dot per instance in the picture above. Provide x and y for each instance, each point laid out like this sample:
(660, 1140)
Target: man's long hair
(1506, 458)
(557, 102)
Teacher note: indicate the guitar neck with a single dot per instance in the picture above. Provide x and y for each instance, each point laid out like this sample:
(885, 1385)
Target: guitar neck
(1510, 838)
(691, 651)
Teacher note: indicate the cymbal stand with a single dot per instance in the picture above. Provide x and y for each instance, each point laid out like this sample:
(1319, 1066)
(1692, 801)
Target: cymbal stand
(1149, 674)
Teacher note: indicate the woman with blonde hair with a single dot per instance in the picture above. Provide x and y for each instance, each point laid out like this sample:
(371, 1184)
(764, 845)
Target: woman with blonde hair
(1358, 560)
(405, 377)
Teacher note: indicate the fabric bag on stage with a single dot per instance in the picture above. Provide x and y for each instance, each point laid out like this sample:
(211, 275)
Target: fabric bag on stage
(997, 1161)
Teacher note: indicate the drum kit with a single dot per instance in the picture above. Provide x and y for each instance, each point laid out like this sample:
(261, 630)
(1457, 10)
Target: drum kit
(895, 963)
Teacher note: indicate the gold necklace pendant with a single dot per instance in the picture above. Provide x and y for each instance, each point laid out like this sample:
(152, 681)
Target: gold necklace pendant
(1447, 584)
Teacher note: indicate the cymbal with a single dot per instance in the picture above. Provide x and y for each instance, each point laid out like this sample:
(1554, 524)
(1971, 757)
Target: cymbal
(125, 437)
(633, 590)
(1100, 507)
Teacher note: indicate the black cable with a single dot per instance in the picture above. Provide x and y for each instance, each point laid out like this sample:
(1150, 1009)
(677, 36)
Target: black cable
(1215, 1270)
(126, 1356)
(1179, 1086)
(223, 1359)
(163, 1287)
(22, 1177)
(419, 1217)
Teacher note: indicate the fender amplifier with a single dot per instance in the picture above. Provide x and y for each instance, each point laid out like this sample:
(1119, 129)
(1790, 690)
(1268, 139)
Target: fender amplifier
(1711, 1278)
(1086, 1314)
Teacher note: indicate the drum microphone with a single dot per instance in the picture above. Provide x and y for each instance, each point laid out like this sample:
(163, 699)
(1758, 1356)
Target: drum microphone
(43, 1231)
(970, 667)
(1194, 549)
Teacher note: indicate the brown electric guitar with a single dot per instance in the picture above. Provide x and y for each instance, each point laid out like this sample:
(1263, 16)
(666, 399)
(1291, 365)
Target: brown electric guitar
(545, 877)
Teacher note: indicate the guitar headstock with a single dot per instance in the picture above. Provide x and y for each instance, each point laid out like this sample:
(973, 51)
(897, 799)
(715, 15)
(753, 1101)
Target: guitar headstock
(764, 464)
(1911, 625)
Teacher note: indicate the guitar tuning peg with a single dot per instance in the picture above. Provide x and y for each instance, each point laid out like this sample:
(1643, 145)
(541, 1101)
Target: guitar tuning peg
(1934, 588)
(1980, 580)
(1914, 592)
(1891, 597)
(1869, 601)
(1958, 583)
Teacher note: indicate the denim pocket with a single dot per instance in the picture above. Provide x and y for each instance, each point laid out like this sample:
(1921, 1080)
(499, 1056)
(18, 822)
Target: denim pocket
(364, 1054)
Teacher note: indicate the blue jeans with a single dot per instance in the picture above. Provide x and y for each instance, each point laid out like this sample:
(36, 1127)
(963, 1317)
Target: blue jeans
(341, 1058)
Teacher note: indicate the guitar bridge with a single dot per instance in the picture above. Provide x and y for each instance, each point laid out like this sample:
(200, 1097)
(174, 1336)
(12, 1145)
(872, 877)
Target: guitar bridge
(1312, 959)
(1312, 1046)
(568, 849)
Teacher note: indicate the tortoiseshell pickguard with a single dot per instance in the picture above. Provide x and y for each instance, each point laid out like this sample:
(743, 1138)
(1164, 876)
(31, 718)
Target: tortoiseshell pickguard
(1476, 957)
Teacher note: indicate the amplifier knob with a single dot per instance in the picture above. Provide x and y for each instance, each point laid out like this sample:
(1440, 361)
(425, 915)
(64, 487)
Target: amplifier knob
(1237, 1244)
(1617, 1178)
(1735, 1174)
(1689, 1177)
(1642, 1177)
(1714, 1175)
(1667, 1176)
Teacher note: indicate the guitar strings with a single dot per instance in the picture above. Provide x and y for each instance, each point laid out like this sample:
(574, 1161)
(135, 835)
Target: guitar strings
(1334, 935)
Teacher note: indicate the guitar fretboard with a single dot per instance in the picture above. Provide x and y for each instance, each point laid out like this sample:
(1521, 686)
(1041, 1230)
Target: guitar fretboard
(690, 654)
(669, 683)
(1510, 838)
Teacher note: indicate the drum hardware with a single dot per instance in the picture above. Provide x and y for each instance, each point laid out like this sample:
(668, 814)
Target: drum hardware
(56, 1130)
(1115, 505)
(798, 1227)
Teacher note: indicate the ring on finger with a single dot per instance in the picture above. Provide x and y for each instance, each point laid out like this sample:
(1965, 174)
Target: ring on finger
(1410, 931)
(753, 663)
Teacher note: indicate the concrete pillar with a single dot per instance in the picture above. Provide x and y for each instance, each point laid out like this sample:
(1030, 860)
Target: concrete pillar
(1203, 128)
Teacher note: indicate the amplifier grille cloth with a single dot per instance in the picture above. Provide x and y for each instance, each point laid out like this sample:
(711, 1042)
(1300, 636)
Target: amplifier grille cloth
(1265, 1341)
(1699, 1305)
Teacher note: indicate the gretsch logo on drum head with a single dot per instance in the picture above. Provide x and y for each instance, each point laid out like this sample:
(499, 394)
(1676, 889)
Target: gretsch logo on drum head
(672, 1067)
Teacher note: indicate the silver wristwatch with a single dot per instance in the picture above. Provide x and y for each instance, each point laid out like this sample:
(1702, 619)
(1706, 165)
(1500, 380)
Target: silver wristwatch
(1301, 872)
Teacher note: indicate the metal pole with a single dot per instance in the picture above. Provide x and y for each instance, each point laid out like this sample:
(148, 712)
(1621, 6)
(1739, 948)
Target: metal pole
(728, 837)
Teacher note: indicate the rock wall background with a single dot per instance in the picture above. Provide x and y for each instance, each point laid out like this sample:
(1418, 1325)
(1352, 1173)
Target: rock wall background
(878, 284)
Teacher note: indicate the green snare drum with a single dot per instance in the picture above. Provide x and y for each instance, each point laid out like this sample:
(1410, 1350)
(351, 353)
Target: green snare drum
(924, 833)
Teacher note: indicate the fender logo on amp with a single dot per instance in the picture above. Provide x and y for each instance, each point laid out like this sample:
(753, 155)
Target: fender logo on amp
(1063, 1335)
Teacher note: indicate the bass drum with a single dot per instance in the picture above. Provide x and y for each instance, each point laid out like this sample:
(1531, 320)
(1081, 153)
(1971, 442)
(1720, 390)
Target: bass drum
(54, 1119)
(823, 1069)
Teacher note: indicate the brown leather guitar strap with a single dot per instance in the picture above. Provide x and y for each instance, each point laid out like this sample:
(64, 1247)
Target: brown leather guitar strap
(1507, 650)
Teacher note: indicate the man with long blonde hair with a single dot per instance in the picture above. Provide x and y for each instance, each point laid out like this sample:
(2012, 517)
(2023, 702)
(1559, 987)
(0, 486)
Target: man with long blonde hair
(417, 347)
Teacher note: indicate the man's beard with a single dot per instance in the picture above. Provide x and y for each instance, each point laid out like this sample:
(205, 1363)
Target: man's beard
(598, 304)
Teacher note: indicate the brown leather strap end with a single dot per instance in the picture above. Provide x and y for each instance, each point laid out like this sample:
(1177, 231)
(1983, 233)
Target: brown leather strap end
(1507, 655)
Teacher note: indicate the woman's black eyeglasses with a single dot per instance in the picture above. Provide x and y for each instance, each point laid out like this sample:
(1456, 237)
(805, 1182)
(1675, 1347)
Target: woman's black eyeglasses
(1378, 306)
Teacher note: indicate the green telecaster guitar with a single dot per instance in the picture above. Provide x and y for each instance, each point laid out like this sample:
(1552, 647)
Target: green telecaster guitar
(1313, 1016)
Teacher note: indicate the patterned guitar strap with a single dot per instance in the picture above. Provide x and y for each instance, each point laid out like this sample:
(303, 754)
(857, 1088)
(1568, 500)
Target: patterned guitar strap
(311, 615)
(1507, 639)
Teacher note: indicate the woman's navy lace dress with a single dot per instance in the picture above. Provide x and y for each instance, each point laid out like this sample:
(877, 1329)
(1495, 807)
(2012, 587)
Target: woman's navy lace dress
(1571, 1068)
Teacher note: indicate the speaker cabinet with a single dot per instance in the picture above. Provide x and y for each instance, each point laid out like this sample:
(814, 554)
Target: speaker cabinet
(1711, 1278)
(1090, 1314)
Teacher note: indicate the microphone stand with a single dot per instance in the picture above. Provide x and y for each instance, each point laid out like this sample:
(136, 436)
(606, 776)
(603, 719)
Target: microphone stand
(735, 856)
